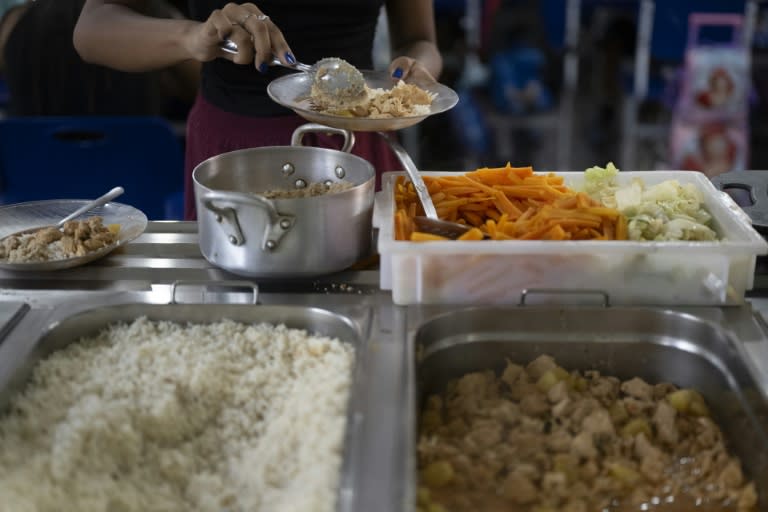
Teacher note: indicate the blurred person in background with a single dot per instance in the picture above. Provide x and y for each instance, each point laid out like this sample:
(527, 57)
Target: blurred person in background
(233, 110)
(10, 10)
(46, 76)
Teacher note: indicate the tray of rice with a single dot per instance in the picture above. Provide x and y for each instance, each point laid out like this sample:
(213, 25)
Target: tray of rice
(180, 407)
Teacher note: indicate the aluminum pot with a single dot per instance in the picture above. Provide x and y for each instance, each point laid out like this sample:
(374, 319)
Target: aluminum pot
(247, 234)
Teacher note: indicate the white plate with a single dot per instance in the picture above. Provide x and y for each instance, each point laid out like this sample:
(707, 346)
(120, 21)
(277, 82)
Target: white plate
(292, 91)
(22, 216)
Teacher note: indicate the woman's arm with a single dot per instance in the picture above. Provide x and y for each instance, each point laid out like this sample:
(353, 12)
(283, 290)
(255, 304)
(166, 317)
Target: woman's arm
(414, 43)
(113, 33)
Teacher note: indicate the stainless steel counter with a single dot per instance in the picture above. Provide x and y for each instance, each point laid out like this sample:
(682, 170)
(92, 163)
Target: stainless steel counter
(145, 271)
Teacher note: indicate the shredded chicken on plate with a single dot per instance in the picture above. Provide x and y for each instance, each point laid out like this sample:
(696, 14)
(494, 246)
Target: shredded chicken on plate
(402, 100)
(76, 238)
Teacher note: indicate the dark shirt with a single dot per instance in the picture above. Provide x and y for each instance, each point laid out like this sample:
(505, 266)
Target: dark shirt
(313, 29)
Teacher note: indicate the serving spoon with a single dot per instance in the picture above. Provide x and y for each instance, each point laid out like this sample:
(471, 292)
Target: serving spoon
(332, 77)
(99, 201)
(429, 222)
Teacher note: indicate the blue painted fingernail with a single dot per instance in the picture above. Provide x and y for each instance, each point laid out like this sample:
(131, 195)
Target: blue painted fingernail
(264, 67)
(289, 57)
(398, 73)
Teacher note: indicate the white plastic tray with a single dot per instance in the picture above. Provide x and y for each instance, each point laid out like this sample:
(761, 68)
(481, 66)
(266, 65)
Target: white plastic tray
(642, 273)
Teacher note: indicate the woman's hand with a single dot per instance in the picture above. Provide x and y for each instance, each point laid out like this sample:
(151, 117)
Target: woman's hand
(406, 68)
(258, 39)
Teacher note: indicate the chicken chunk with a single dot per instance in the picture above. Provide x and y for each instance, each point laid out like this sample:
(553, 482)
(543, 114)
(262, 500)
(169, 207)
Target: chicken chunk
(599, 423)
(583, 445)
(534, 404)
(558, 392)
(605, 389)
(519, 489)
(638, 388)
(731, 476)
(664, 421)
(652, 460)
(512, 372)
(47, 235)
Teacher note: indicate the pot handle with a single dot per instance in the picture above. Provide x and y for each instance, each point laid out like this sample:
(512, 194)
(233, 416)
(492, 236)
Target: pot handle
(277, 224)
(298, 134)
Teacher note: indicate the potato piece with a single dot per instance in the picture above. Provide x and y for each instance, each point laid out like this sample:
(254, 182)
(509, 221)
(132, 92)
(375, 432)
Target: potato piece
(551, 377)
(423, 496)
(566, 464)
(624, 474)
(635, 426)
(577, 382)
(547, 381)
(680, 399)
(430, 420)
(618, 412)
(688, 401)
(437, 474)
(114, 228)
(698, 406)
(560, 373)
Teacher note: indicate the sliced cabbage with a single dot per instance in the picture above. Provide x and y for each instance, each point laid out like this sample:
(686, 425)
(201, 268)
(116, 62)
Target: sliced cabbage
(667, 211)
(600, 183)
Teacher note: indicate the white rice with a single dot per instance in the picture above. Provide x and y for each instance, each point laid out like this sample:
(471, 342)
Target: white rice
(158, 416)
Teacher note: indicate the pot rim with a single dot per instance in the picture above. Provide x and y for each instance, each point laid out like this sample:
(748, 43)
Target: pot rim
(264, 149)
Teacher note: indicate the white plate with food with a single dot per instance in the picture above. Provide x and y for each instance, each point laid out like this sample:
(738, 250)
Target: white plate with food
(391, 104)
(93, 235)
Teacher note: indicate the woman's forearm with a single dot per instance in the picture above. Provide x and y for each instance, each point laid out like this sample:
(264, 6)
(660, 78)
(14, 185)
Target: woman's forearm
(117, 36)
(412, 31)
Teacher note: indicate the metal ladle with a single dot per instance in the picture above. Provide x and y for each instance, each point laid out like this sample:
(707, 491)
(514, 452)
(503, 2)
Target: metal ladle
(429, 222)
(333, 77)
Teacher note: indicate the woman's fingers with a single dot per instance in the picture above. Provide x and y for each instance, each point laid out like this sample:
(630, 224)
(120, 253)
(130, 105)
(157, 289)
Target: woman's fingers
(280, 48)
(258, 26)
(406, 68)
(257, 38)
(225, 29)
(265, 40)
(203, 42)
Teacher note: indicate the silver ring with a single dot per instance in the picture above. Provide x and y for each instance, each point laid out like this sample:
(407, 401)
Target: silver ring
(245, 18)
(262, 17)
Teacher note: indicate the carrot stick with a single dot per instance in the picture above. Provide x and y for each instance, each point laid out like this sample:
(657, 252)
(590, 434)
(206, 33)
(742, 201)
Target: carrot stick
(418, 236)
(472, 234)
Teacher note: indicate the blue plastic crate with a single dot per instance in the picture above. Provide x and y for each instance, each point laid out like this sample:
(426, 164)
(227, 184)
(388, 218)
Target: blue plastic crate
(83, 157)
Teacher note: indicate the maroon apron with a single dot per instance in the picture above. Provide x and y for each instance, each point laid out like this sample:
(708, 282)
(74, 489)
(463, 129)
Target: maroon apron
(212, 131)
